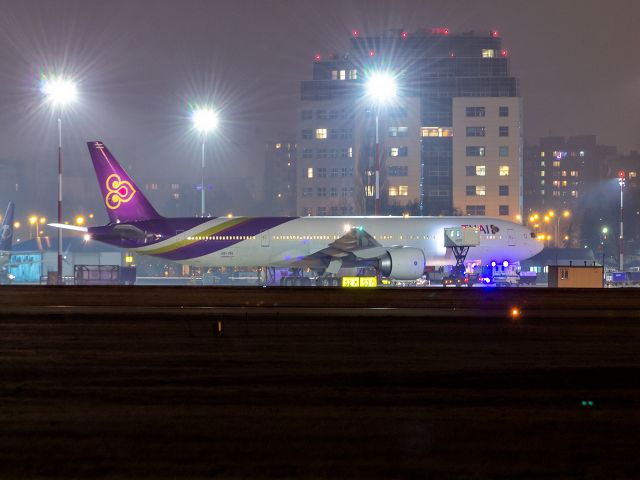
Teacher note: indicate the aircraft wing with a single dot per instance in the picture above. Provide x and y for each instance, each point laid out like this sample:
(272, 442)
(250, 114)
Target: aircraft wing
(354, 246)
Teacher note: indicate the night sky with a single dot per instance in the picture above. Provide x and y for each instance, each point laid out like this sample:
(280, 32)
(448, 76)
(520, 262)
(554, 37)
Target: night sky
(140, 63)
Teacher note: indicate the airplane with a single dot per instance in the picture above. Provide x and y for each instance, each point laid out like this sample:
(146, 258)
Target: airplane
(397, 247)
(6, 237)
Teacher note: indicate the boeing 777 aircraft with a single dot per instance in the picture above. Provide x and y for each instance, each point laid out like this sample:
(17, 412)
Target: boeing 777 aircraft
(397, 247)
(6, 236)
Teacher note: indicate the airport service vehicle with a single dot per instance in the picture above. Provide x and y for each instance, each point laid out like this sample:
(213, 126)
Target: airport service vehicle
(6, 237)
(625, 279)
(397, 247)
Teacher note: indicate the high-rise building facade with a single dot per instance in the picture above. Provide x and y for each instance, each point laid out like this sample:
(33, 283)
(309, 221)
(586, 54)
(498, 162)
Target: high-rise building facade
(451, 142)
(280, 176)
(560, 172)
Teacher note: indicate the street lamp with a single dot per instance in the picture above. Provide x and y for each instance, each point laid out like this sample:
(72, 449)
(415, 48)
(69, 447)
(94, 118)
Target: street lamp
(381, 88)
(33, 220)
(59, 92)
(605, 230)
(205, 120)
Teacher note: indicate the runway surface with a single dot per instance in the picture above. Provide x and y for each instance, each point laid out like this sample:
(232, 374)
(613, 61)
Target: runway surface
(312, 393)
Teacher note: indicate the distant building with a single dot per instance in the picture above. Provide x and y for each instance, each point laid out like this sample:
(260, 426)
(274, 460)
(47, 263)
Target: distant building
(565, 174)
(280, 176)
(451, 143)
(559, 172)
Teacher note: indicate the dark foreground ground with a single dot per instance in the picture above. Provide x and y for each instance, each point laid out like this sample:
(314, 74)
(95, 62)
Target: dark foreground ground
(289, 395)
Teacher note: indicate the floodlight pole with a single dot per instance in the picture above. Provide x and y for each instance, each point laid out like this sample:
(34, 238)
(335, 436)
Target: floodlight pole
(621, 181)
(377, 164)
(60, 276)
(202, 180)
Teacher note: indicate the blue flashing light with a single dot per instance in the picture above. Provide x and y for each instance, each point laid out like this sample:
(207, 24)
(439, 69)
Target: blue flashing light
(493, 263)
(505, 264)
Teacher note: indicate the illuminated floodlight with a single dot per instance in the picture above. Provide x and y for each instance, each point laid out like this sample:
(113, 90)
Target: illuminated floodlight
(505, 264)
(59, 91)
(204, 120)
(381, 87)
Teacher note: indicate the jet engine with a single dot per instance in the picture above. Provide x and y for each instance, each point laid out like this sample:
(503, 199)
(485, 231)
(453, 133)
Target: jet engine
(402, 263)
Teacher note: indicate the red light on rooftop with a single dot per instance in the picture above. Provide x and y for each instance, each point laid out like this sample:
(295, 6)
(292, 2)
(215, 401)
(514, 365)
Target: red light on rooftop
(404, 35)
(355, 33)
(372, 53)
(621, 174)
(440, 31)
(503, 53)
(317, 57)
(495, 34)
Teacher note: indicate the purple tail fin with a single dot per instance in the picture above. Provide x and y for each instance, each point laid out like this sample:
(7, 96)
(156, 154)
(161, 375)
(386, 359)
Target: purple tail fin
(122, 197)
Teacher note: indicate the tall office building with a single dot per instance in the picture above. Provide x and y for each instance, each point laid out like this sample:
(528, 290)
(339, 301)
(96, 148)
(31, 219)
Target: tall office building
(451, 142)
(280, 176)
(560, 172)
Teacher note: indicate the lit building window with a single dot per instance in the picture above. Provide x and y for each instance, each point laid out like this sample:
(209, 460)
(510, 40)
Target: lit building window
(481, 190)
(436, 132)
(310, 172)
(278, 146)
(481, 170)
(556, 183)
(556, 163)
(574, 193)
(175, 186)
(574, 173)
(542, 173)
(334, 74)
(503, 170)
(564, 173)
(353, 74)
(488, 53)
(343, 74)
(321, 133)
(176, 196)
(370, 190)
(631, 174)
(542, 154)
(398, 151)
(564, 183)
(398, 190)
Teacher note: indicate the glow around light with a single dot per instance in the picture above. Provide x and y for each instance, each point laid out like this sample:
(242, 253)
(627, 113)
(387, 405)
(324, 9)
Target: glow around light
(381, 87)
(59, 91)
(204, 119)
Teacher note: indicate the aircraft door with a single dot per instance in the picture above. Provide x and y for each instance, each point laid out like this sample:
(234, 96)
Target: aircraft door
(264, 238)
(511, 237)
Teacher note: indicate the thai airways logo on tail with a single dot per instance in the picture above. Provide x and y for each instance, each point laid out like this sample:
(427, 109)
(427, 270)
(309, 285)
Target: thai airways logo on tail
(120, 191)
(6, 229)
(122, 197)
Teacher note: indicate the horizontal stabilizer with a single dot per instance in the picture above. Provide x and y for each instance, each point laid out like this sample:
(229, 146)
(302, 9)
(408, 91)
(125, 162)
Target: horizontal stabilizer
(63, 226)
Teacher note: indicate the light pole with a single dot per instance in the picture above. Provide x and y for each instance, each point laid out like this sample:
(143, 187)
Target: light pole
(204, 120)
(621, 182)
(605, 230)
(59, 92)
(381, 88)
